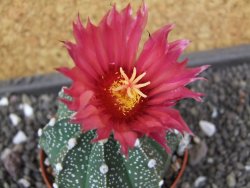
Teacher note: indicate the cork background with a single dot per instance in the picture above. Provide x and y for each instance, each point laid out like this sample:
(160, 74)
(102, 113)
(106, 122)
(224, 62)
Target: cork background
(30, 30)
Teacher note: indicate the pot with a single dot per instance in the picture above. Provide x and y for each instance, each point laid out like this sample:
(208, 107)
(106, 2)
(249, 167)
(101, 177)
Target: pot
(48, 180)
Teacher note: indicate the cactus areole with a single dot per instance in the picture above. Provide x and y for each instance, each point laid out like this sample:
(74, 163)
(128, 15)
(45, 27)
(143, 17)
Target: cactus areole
(115, 125)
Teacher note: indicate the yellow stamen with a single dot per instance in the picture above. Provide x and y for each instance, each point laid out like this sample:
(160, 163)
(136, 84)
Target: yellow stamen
(133, 75)
(139, 78)
(119, 88)
(132, 82)
(127, 92)
(123, 74)
(140, 93)
(142, 85)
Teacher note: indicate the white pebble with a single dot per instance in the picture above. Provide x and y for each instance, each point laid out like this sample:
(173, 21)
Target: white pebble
(5, 153)
(71, 143)
(210, 160)
(196, 140)
(52, 122)
(214, 113)
(174, 158)
(231, 180)
(183, 144)
(19, 138)
(247, 167)
(39, 132)
(24, 182)
(27, 110)
(177, 165)
(104, 168)
(15, 119)
(46, 161)
(200, 180)
(137, 143)
(151, 163)
(161, 183)
(207, 127)
(55, 185)
(4, 101)
(59, 167)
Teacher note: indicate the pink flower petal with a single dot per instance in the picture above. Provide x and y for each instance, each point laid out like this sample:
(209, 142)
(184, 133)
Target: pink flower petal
(126, 139)
(100, 51)
(155, 48)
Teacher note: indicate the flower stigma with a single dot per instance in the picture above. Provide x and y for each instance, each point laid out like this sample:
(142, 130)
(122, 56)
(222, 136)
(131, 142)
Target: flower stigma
(126, 91)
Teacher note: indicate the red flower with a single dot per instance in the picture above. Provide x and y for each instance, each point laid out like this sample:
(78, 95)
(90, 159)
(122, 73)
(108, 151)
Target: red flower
(115, 92)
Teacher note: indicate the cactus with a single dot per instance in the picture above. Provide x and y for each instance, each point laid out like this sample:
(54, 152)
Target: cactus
(79, 163)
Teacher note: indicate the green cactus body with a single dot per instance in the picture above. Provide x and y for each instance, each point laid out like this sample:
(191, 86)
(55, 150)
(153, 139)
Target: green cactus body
(79, 163)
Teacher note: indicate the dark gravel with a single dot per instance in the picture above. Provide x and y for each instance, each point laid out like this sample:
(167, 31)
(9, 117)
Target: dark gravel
(227, 153)
(23, 161)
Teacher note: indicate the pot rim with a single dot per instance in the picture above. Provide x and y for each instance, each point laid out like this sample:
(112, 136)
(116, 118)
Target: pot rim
(181, 171)
(43, 170)
(49, 184)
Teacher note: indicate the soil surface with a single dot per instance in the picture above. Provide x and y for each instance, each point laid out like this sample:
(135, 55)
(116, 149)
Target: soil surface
(219, 160)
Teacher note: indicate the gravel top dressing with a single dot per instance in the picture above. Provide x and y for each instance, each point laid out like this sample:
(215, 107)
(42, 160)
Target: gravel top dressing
(219, 153)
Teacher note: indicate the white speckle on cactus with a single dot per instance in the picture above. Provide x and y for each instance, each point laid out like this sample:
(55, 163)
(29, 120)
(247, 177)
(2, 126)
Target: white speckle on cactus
(137, 143)
(104, 168)
(52, 122)
(161, 183)
(59, 167)
(46, 161)
(55, 185)
(71, 143)
(103, 141)
(61, 91)
(40, 132)
(72, 115)
(151, 163)
(176, 131)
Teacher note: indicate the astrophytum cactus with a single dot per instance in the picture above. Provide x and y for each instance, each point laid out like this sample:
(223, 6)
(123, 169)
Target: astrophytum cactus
(115, 124)
(80, 163)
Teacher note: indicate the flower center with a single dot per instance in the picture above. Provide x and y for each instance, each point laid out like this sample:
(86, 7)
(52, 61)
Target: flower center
(126, 91)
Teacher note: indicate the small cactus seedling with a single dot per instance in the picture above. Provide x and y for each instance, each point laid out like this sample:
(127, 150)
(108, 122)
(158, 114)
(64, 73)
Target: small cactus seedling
(79, 163)
(115, 124)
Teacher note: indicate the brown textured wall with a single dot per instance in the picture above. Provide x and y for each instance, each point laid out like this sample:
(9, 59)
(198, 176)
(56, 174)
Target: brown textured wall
(30, 30)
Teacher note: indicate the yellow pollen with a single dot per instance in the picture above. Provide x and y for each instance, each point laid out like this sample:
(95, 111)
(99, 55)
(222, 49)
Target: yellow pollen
(126, 90)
